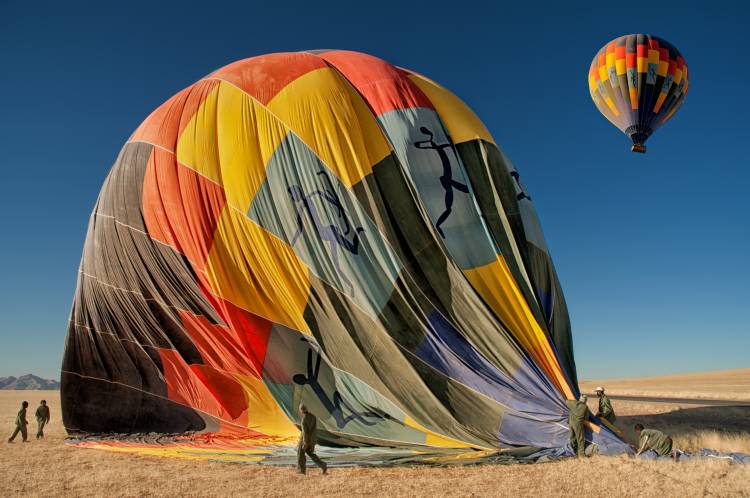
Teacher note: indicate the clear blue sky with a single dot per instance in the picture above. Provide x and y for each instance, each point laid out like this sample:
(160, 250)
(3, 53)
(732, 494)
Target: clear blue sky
(652, 250)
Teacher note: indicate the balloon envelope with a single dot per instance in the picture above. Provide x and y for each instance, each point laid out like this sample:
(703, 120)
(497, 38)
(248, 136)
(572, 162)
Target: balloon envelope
(321, 228)
(638, 82)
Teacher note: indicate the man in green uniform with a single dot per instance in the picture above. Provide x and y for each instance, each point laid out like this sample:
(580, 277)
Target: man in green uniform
(21, 424)
(651, 439)
(42, 418)
(308, 440)
(605, 406)
(577, 415)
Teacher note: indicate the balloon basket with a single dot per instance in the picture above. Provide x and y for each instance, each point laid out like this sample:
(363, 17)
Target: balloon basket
(638, 148)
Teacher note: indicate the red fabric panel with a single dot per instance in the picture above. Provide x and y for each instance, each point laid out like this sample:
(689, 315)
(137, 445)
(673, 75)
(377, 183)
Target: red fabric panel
(383, 86)
(163, 126)
(264, 76)
(226, 391)
(239, 348)
(180, 207)
(672, 67)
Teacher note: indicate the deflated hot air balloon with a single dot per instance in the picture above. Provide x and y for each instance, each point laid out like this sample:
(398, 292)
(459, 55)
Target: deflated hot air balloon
(318, 227)
(638, 82)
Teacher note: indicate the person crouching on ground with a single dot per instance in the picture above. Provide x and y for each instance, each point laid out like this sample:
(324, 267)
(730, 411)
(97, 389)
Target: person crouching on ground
(307, 441)
(21, 424)
(652, 439)
(42, 418)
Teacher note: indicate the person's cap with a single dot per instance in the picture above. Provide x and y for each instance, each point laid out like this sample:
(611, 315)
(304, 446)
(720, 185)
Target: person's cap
(303, 408)
(599, 389)
(583, 398)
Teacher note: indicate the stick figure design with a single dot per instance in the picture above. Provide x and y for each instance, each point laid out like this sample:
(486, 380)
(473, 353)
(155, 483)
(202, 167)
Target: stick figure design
(329, 232)
(446, 179)
(522, 191)
(334, 406)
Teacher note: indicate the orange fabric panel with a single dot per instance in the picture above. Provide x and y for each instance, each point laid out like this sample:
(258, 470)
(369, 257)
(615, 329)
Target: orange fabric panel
(264, 76)
(180, 207)
(163, 126)
(184, 386)
(383, 86)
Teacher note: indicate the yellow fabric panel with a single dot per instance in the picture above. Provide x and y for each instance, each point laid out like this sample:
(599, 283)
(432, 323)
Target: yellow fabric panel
(196, 146)
(642, 64)
(247, 136)
(611, 106)
(603, 74)
(258, 272)
(662, 69)
(437, 440)
(264, 413)
(496, 286)
(610, 62)
(462, 124)
(660, 101)
(620, 65)
(186, 452)
(653, 56)
(677, 76)
(345, 136)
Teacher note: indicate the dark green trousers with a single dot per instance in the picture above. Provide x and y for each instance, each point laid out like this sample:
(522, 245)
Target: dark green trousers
(578, 441)
(22, 430)
(302, 453)
(40, 432)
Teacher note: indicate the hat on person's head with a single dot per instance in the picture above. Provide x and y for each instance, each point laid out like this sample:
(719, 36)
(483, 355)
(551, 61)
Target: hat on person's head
(303, 408)
(583, 398)
(599, 389)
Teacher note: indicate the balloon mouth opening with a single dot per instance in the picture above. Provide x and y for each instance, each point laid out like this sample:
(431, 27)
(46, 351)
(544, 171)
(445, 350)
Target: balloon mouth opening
(638, 135)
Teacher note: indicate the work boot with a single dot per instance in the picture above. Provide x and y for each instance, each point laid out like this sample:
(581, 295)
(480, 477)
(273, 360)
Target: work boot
(325, 469)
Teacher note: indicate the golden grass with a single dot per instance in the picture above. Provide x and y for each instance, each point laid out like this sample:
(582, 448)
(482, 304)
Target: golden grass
(721, 384)
(51, 468)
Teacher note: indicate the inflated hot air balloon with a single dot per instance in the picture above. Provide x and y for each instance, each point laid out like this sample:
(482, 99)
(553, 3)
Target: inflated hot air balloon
(321, 228)
(638, 82)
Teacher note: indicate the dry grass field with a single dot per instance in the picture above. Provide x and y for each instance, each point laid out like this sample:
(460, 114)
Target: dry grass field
(51, 468)
(721, 384)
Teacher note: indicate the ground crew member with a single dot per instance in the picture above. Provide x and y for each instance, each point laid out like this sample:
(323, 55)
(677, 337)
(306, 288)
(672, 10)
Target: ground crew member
(651, 439)
(578, 413)
(42, 418)
(21, 424)
(307, 441)
(605, 406)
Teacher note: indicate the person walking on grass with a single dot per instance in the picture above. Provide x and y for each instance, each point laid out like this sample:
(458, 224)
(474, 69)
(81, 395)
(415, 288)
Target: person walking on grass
(605, 406)
(42, 418)
(21, 424)
(307, 441)
(652, 439)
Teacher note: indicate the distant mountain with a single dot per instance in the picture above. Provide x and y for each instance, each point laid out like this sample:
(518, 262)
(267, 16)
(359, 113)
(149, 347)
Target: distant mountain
(28, 382)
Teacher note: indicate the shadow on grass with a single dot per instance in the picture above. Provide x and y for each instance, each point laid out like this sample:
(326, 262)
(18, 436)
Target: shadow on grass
(730, 420)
